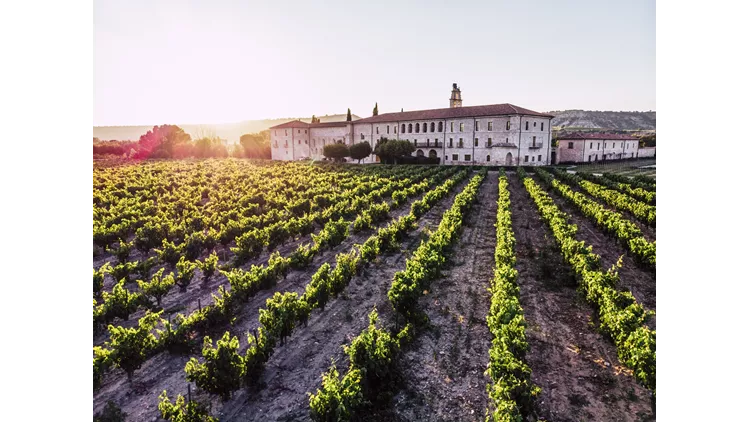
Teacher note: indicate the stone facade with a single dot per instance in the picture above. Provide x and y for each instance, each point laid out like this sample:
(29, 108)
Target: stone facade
(501, 134)
(596, 147)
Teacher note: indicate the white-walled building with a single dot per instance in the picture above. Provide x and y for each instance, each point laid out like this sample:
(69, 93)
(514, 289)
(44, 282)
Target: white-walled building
(590, 147)
(499, 134)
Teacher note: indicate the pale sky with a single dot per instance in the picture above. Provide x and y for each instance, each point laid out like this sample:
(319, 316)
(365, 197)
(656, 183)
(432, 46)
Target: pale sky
(181, 62)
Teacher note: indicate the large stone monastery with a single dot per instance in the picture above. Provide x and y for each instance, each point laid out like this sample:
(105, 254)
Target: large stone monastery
(499, 134)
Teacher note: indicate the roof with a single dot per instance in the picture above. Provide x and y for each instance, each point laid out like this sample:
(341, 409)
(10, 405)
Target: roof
(292, 124)
(597, 135)
(330, 124)
(451, 113)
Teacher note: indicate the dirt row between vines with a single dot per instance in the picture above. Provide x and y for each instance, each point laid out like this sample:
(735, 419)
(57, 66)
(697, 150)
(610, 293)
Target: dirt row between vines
(200, 291)
(633, 277)
(649, 232)
(295, 368)
(576, 367)
(443, 369)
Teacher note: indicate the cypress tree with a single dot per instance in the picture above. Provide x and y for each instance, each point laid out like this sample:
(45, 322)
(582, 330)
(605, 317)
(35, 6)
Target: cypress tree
(375, 110)
(348, 115)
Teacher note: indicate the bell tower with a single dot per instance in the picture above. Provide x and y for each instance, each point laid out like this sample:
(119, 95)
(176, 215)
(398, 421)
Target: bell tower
(455, 96)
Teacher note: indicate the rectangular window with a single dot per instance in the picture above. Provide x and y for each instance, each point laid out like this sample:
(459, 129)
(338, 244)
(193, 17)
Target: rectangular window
(377, 130)
(387, 129)
(507, 125)
(460, 142)
(532, 158)
(467, 157)
(540, 158)
(299, 131)
(570, 145)
(489, 125)
(450, 142)
(451, 126)
(305, 141)
(527, 125)
(489, 142)
(591, 145)
(299, 142)
(542, 126)
(476, 142)
(476, 124)
(461, 127)
(589, 158)
(534, 124)
(597, 147)
(455, 157)
(285, 133)
(533, 141)
(305, 130)
(362, 136)
(525, 158)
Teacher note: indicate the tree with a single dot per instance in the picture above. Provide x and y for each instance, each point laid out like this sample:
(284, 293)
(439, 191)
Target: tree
(648, 141)
(209, 147)
(336, 151)
(375, 110)
(257, 145)
(163, 141)
(360, 150)
(314, 120)
(391, 149)
(348, 115)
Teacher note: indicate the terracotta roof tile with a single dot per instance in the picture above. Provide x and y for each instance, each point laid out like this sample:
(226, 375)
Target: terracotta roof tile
(293, 123)
(452, 113)
(597, 135)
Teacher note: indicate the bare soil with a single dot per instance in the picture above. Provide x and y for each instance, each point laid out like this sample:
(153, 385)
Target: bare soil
(287, 379)
(575, 366)
(443, 369)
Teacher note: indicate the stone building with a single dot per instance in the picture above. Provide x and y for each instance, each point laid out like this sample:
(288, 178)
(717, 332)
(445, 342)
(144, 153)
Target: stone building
(591, 147)
(499, 134)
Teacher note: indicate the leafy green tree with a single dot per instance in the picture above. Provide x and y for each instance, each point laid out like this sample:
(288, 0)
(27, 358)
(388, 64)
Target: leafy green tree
(224, 368)
(162, 142)
(336, 151)
(348, 115)
(648, 141)
(392, 149)
(360, 150)
(257, 145)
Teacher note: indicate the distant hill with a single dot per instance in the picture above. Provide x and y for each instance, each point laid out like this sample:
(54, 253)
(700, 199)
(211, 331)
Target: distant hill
(229, 131)
(611, 120)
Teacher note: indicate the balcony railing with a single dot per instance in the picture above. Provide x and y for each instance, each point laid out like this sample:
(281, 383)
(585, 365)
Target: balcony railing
(535, 146)
(432, 144)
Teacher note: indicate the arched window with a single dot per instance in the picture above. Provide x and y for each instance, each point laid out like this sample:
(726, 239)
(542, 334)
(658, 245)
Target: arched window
(507, 125)
(410, 128)
(432, 127)
(424, 127)
(440, 126)
(416, 128)
(395, 128)
(488, 158)
(420, 153)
